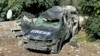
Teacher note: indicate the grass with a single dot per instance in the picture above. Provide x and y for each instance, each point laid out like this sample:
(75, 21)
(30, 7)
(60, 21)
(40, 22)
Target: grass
(83, 37)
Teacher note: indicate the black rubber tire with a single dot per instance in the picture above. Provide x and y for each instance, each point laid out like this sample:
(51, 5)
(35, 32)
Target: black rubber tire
(57, 47)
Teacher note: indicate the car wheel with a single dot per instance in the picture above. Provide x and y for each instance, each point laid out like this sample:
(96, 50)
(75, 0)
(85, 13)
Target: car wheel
(57, 47)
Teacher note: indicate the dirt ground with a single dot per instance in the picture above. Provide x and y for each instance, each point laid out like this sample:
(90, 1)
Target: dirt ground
(10, 46)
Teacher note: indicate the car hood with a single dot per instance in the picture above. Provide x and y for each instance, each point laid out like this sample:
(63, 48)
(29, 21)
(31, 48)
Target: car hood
(41, 33)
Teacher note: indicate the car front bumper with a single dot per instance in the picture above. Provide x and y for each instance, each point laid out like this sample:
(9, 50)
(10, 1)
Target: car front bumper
(36, 45)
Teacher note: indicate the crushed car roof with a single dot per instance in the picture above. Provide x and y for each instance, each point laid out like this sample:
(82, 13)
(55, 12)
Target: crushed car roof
(56, 12)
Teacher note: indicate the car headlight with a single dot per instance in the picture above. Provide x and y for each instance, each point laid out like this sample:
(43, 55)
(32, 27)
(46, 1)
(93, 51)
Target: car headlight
(48, 41)
(51, 42)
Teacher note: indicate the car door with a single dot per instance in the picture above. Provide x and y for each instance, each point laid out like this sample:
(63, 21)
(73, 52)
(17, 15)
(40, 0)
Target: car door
(67, 26)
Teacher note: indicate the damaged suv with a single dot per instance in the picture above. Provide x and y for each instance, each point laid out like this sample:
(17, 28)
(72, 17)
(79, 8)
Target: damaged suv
(49, 31)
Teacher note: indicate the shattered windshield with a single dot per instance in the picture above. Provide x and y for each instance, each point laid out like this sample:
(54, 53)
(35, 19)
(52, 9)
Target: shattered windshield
(53, 24)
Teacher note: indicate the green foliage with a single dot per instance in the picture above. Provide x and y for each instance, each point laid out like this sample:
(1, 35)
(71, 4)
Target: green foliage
(14, 5)
(69, 2)
(47, 3)
(39, 6)
(92, 26)
(3, 5)
(90, 7)
(18, 6)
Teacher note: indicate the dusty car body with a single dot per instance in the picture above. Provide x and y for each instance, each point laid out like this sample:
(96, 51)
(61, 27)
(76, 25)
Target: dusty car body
(49, 31)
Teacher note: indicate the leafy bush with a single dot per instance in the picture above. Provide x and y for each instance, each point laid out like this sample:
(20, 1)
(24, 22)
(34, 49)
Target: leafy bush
(46, 3)
(18, 6)
(92, 26)
(90, 7)
(14, 5)
(39, 6)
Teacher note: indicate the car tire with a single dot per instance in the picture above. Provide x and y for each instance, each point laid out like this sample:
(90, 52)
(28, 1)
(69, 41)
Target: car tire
(57, 47)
